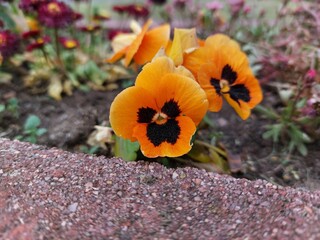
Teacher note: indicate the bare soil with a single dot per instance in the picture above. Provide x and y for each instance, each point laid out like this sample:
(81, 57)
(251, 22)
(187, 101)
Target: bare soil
(70, 121)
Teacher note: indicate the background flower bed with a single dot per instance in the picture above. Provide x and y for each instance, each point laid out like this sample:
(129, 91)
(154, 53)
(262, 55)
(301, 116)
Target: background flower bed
(70, 121)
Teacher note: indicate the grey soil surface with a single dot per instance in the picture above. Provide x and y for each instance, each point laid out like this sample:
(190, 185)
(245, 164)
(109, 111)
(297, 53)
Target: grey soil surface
(53, 194)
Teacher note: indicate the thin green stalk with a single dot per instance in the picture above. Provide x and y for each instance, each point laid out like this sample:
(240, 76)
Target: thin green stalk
(56, 38)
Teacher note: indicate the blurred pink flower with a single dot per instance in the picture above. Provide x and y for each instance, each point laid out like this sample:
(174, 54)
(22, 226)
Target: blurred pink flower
(181, 3)
(236, 5)
(214, 5)
(246, 9)
(312, 73)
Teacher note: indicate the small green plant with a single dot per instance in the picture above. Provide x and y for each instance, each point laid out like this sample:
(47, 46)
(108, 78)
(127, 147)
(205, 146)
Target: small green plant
(288, 127)
(89, 149)
(11, 107)
(31, 130)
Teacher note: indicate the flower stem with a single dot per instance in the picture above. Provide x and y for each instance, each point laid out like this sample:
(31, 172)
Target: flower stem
(56, 38)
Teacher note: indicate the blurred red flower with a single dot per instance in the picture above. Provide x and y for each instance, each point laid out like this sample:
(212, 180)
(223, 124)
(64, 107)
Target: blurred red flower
(158, 2)
(30, 34)
(120, 8)
(38, 43)
(89, 28)
(68, 43)
(112, 33)
(8, 43)
(55, 14)
(30, 5)
(137, 11)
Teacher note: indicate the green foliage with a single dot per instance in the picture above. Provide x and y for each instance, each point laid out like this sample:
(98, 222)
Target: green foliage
(287, 129)
(11, 107)
(89, 150)
(31, 129)
(5, 16)
(126, 149)
(90, 71)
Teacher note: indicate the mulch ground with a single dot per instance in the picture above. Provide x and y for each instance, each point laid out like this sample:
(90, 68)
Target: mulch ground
(53, 194)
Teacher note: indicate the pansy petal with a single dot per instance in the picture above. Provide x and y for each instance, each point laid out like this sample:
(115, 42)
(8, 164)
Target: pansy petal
(133, 48)
(153, 72)
(125, 107)
(242, 108)
(151, 43)
(184, 40)
(171, 140)
(209, 80)
(192, 61)
(216, 41)
(254, 88)
(117, 56)
(186, 92)
(122, 40)
(230, 56)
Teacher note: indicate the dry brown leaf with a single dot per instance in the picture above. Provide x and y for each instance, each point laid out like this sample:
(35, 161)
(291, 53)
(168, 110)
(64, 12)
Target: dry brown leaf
(55, 87)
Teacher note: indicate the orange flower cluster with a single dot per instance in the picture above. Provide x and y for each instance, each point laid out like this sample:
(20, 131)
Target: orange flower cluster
(185, 78)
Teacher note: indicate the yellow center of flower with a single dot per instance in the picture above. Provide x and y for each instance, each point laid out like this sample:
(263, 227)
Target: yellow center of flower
(54, 8)
(138, 8)
(70, 44)
(3, 39)
(160, 118)
(32, 24)
(224, 85)
(90, 28)
(40, 40)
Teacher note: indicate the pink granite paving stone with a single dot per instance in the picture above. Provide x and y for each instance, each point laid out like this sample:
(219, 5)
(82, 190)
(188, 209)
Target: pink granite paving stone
(52, 194)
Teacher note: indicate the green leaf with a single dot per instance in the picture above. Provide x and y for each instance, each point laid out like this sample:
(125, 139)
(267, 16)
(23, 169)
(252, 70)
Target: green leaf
(32, 122)
(41, 131)
(273, 132)
(31, 139)
(2, 107)
(126, 149)
(302, 149)
(5, 16)
(269, 113)
(205, 153)
(301, 103)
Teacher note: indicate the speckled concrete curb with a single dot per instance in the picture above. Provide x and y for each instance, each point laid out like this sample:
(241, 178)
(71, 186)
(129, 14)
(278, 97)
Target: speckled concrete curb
(53, 194)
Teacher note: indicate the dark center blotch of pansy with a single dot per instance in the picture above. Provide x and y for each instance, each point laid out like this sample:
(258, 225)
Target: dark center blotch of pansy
(168, 132)
(216, 84)
(239, 92)
(171, 109)
(146, 114)
(228, 74)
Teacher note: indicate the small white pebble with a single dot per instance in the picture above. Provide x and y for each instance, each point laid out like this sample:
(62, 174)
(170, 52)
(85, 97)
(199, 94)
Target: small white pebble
(73, 207)
(175, 175)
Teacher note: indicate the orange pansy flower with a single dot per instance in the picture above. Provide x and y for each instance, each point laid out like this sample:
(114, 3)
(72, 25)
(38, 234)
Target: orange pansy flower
(161, 111)
(143, 45)
(222, 69)
(184, 41)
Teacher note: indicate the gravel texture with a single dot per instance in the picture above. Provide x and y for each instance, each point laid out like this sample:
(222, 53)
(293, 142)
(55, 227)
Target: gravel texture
(53, 194)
